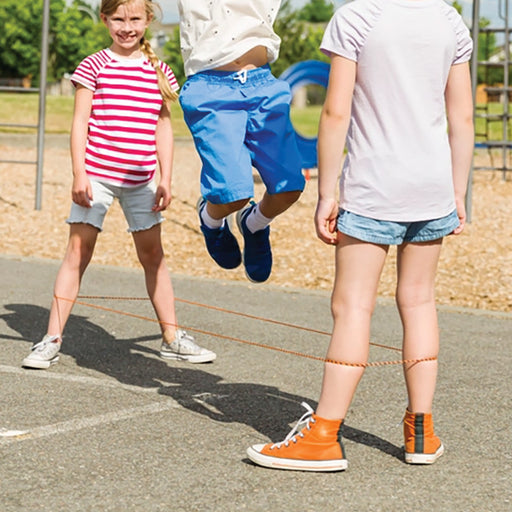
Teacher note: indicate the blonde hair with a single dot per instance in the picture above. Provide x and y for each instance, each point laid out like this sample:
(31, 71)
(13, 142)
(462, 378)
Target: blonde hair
(109, 7)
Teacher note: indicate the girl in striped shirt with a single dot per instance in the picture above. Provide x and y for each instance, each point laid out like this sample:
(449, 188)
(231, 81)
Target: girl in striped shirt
(121, 130)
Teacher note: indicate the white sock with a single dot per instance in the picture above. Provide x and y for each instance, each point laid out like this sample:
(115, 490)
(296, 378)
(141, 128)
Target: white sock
(209, 221)
(256, 221)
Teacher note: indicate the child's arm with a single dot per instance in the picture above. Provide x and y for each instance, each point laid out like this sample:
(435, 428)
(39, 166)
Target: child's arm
(334, 123)
(164, 152)
(81, 191)
(459, 108)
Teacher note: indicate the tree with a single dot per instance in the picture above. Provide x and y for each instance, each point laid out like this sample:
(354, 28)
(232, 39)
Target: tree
(457, 6)
(316, 11)
(72, 36)
(20, 38)
(300, 40)
(489, 75)
(172, 56)
(76, 35)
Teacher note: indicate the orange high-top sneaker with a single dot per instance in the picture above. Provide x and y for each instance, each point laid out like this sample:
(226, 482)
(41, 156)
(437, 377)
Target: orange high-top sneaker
(317, 447)
(422, 446)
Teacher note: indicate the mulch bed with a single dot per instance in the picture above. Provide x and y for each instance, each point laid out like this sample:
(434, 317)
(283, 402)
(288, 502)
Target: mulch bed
(475, 269)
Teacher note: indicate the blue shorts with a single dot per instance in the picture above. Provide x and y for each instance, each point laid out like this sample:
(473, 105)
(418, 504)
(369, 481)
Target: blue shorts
(395, 233)
(241, 120)
(136, 202)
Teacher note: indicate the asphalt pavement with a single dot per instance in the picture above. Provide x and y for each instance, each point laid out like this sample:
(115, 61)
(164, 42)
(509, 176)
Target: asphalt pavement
(112, 427)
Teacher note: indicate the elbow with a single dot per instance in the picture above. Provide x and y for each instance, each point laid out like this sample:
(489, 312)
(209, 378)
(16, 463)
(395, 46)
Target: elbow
(334, 118)
(462, 124)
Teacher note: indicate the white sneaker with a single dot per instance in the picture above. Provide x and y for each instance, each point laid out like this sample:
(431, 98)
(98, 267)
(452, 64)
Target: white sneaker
(184, 348)
(44, 353)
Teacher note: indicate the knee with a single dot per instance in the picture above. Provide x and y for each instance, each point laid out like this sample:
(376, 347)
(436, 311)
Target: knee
(151, 257)
(352, 307)
(291, 197)
(80, 251)
(414, 296)
(221, 210)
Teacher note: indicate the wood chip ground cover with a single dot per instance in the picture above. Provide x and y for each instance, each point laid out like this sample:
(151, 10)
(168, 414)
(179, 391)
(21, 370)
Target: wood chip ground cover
(475, 269)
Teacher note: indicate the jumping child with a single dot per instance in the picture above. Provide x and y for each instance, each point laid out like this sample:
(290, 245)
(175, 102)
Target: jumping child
(399, 77)
(121, 128)
(238, 114)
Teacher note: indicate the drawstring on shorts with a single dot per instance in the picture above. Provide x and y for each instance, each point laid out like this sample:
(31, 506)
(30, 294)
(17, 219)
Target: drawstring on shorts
(241, 76)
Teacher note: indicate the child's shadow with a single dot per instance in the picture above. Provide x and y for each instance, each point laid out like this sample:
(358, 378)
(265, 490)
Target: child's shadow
(259, 406)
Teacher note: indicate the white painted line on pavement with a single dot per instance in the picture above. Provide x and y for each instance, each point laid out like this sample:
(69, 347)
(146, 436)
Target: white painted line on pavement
(92, 421)
(12, 433)
(79, 379)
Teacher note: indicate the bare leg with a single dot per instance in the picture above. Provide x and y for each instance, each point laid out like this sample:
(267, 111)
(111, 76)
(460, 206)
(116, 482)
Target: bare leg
(219, 211)
(415, 297)
(82, 239)
(271, 205)
(158, 281)
(358, 269)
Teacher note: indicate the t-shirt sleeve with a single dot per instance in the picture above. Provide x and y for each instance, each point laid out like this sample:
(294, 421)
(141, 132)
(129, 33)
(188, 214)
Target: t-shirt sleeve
(84, 75)
(341, 36)
(348, 29)
(464, 41)
(170, 76)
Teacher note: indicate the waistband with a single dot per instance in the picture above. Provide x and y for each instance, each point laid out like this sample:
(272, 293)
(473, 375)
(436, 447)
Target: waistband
(243, 76)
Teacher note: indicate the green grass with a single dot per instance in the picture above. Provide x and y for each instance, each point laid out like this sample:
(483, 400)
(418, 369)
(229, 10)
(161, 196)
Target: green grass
(305, 120)
(23, 108)
(495, 128)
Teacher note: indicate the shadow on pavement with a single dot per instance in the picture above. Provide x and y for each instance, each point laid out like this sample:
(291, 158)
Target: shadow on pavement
(259, 406)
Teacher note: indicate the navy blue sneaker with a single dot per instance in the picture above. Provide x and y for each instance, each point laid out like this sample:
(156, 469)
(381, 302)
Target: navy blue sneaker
(257, 255)
(220, 242)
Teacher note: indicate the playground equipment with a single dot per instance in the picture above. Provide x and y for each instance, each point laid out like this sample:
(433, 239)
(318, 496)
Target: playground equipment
(492, 107)
(299, 75)
(315, 72)
(42, 106)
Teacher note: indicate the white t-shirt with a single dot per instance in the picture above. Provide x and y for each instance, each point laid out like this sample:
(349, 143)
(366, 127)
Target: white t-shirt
(215, 33)
(398, 165)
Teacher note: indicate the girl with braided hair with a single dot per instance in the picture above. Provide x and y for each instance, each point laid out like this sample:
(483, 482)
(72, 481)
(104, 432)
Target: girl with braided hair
(121, 130)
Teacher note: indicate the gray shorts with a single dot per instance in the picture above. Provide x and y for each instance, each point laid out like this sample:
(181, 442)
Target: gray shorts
(136, 202)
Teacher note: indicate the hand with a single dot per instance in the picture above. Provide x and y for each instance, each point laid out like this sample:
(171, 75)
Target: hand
(162, 198)
(325, 220)
(81, 191)
(461, 213)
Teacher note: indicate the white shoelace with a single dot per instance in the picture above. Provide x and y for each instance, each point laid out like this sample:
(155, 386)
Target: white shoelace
(47, 348)
(303, 422)
(186, 341)
(41, 346)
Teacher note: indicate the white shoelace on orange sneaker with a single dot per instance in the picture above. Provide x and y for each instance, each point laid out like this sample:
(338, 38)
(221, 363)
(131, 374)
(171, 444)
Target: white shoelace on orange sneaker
(304, 421)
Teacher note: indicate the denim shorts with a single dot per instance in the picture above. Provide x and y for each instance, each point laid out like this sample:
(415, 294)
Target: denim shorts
(395, 233)
(136, 202)
(241, 120)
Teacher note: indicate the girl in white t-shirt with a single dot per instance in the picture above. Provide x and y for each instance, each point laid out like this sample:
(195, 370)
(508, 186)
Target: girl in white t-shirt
(121, 129)
(399, 78)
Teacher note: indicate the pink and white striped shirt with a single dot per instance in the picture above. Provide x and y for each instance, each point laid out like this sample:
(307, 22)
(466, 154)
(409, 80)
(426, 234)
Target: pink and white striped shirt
(121, 145)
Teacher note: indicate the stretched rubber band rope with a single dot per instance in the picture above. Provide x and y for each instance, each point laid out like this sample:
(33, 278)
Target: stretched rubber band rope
(240, 340)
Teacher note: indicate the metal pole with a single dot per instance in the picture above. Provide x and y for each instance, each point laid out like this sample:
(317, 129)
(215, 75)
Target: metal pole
(475, 24)
(505, 97)
(42, 101)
